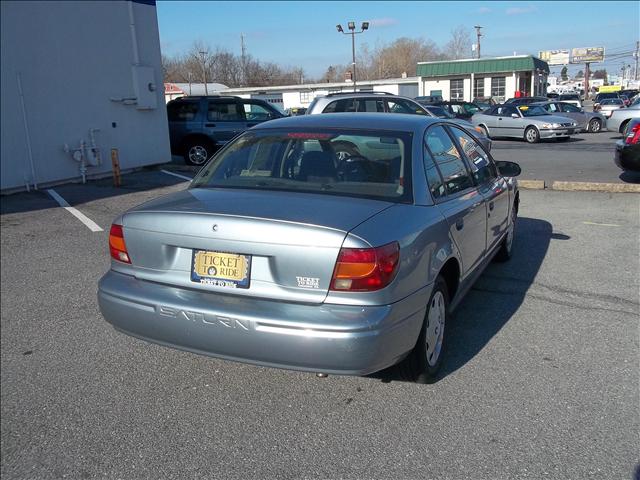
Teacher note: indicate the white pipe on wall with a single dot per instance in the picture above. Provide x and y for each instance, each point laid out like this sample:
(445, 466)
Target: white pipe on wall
(134, 37)
(26, 132)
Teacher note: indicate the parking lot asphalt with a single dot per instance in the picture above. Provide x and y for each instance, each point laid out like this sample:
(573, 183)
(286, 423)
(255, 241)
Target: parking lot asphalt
(586, 157)
(541, 380)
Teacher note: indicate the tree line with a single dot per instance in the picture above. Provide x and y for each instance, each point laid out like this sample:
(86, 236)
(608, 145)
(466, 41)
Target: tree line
(385, 60)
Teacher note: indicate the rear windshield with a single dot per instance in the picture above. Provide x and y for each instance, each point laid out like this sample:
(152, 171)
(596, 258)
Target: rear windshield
(569, 97)
(357, 163)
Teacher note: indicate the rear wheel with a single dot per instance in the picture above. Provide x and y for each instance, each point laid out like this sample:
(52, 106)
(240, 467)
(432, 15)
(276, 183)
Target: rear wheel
(485, 132)
(531, 135)
(198, 151)
(424, 361)
(595, 125)
(623, 127)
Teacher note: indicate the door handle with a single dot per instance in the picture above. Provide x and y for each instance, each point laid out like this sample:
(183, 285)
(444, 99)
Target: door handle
(459, 224)
(491, 205)
(500, 119)
(209, 124)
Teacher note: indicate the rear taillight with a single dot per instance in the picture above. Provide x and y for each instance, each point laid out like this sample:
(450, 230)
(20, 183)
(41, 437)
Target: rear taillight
(117, 246)
(365, 269)
(633, 137)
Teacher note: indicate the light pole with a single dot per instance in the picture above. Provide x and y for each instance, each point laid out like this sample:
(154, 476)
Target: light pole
(352, 31)
(204, 72)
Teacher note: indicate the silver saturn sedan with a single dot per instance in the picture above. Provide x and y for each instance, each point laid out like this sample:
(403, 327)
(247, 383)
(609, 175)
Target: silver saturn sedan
(532, 123)
(281, 254)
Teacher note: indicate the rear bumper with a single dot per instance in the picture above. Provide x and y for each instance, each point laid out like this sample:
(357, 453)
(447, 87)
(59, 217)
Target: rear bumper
(337, 339)
(627, 157)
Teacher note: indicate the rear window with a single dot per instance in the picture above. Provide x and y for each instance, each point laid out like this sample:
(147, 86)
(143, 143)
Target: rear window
(182, 111)
(356, 163)
(569, 97)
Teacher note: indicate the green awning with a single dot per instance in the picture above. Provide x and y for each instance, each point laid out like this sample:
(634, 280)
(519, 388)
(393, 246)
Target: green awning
(484, 65)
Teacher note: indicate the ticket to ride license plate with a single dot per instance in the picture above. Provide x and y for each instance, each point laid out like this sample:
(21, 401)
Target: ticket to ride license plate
(220, 269)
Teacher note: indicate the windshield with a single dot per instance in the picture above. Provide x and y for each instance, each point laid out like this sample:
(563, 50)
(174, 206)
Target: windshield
(532, 111)
(359, 163)
(611, 101)
(439, 112)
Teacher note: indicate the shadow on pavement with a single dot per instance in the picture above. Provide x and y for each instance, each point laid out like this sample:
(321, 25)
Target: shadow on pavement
(77, 193)
(494, 298)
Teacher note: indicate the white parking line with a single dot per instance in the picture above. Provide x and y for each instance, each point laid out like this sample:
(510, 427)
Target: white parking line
(91, 225)
(184, 177)
(602, 224)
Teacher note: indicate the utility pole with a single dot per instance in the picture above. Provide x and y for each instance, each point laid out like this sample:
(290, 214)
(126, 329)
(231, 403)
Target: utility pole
(637, 54)
(203, 55)
(586, 80)
(243, 59)
(478, 35)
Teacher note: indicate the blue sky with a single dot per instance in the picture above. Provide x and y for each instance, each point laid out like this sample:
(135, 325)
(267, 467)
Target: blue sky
(303, 33)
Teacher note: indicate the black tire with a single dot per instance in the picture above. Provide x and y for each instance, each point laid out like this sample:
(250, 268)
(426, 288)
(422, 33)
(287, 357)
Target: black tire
(196, 152)
(416, 367)
(506, 248)
(595, 125)
(531, 135)
(623, 127)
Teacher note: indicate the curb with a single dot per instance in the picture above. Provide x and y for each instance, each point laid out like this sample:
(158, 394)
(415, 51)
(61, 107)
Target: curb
(532, 184)
(596, 187)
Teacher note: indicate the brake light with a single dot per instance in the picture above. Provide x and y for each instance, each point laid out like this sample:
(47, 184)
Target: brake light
(117, 246)
(365, 269)
(633, 137)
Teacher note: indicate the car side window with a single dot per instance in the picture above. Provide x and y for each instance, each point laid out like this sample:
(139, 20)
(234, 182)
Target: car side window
(398, 105)
(254, 112)
(482, 167)
(225, 112)
(370, 105)
(182, 111)
(550, 107)
(448, 160)
(567, 107)
(340, 106)
(507, 111)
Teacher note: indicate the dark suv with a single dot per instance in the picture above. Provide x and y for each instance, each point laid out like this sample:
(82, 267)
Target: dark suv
(200, 125)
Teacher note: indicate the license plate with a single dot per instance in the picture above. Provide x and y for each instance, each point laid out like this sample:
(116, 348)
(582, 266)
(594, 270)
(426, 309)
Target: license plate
(570, 132)
(221, 269)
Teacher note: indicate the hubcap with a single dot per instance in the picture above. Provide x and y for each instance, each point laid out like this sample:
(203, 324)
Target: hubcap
(531, 135)
(595, 126)
(435, 328)
(198, 154)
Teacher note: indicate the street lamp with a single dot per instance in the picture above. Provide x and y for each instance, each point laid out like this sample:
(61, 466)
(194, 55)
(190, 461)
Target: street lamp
(352, 31)
(204, 71)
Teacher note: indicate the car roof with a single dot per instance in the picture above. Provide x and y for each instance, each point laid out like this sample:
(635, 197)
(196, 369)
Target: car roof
(358, 121)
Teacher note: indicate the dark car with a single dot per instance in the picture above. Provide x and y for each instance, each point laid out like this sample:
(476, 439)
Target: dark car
(485, 103)
(603, 96)
(525, 100)
(460, 109)
(627, 155)
(198, 126)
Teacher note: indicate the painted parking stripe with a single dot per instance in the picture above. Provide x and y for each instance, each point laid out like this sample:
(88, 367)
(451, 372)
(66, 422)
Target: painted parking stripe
(184, 177)
(90, 224)
(602, 224)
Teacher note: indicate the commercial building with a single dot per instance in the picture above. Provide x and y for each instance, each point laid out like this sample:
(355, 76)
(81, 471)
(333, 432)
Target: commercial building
(79, 79)
(499, 77)
(292, 96)
(177, 90)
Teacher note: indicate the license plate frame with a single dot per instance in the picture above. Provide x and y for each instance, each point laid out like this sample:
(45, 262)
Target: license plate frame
(205, 270)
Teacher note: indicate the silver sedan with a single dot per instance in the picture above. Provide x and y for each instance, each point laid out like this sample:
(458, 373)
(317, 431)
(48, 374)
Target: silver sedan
(592, 122)
(280, 254)
(531, 123)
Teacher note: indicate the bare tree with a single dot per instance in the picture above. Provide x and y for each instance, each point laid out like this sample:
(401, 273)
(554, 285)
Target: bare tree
(460, 44)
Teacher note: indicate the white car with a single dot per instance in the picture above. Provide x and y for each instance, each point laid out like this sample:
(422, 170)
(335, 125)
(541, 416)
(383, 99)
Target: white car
(608, 105)
(573, 98)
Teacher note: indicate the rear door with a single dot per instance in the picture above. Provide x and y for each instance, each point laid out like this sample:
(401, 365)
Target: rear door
(184, 117)
(225, 119)
(455, 193)
(492, 186)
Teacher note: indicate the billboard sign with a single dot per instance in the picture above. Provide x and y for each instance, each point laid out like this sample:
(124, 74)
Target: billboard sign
(555, 57)
(588, 54)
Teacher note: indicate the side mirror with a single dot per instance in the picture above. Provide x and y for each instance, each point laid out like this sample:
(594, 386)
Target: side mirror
(508, 169)
(515, 115)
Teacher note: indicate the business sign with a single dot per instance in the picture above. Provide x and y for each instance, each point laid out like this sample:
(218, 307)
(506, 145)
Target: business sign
(587, 54)
(555, 57)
